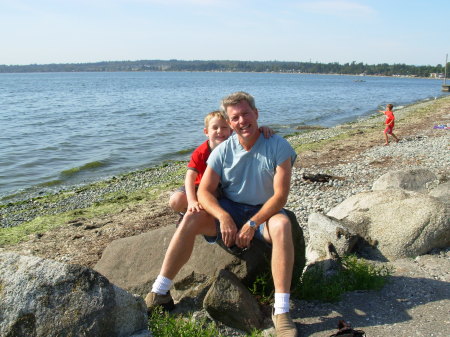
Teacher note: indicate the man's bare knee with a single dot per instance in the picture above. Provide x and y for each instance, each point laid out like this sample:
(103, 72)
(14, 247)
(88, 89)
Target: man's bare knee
(278, 226)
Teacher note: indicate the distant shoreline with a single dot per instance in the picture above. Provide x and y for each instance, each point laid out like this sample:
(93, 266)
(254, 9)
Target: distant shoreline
(228, 71)
(335, 68)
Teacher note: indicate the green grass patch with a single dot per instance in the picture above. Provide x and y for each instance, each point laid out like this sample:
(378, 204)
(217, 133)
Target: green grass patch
(41, 224)
(263, 288)
(355, 274)
(111, 203)
(162, 324)
(106, 204)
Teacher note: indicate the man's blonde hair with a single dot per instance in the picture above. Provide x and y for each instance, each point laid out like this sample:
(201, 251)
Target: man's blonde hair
(211, 115)
(235, 98)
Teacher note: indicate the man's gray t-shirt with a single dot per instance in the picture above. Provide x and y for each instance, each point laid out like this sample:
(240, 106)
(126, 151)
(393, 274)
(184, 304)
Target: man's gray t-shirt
(247, 176)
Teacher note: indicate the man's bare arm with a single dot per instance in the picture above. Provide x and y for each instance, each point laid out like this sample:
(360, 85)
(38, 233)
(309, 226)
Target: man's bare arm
(281, 186)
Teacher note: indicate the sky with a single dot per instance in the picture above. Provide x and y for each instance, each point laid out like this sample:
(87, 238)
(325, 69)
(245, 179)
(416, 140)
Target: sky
(413, 32)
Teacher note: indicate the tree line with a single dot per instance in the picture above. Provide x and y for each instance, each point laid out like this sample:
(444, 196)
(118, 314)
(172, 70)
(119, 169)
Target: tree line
(352, 68)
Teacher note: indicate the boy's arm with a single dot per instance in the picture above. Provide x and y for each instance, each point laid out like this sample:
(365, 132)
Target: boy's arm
(207, 197)
(189, 185)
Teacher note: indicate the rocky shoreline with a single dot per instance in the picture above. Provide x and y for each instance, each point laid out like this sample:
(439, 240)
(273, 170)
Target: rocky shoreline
(427, 148)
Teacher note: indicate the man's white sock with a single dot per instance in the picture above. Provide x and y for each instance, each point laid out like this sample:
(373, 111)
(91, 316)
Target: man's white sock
(281, 303)
(162, 285)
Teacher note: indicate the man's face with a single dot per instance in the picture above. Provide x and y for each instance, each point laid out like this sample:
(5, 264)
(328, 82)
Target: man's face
(243, 119)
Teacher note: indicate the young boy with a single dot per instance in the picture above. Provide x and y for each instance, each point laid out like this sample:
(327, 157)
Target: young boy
(217, 130)
(389, 123)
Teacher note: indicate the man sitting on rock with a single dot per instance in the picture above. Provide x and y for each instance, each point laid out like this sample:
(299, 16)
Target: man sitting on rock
(255, 174)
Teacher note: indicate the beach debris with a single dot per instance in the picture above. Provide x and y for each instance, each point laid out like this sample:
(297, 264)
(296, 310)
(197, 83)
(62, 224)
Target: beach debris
(319, 177)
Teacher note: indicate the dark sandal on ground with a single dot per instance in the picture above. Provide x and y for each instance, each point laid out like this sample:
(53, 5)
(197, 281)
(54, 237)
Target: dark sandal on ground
(345, 330)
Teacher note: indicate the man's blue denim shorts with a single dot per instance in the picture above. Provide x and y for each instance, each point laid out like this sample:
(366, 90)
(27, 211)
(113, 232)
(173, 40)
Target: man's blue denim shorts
(240, 213)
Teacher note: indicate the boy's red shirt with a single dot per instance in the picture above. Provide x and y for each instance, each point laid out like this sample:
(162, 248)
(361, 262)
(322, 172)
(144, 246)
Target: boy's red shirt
(198, 160)
(389, 117)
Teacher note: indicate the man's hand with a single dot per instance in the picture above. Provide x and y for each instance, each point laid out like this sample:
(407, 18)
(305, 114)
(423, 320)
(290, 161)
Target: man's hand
(245, 236)
(194, 206)
(228, 230)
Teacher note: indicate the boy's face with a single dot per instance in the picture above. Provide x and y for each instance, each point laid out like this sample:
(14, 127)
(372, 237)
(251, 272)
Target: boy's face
(218, 130)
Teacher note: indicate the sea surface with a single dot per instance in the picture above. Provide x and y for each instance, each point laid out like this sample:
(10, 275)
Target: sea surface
(64, 129)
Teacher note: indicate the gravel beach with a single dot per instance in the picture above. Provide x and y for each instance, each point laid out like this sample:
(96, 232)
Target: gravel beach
(415, 303)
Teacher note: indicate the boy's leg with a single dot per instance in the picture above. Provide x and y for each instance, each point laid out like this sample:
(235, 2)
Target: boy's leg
(395, 137)
(178, 201)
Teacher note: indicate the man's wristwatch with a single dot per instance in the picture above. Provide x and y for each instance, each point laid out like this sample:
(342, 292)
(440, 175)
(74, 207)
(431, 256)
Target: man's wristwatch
(252, 224)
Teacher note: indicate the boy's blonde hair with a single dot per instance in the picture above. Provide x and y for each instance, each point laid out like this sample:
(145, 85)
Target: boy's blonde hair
(211, 115)
(235, 98)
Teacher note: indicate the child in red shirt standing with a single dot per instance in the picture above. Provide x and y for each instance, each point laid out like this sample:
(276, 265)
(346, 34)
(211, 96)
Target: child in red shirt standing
(389, 123)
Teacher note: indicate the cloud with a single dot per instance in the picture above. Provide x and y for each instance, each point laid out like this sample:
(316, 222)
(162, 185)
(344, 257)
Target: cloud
(338, 8)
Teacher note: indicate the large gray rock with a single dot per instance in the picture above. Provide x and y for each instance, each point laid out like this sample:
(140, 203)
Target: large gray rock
(46, 298)
(325, 231)
(133, 263)
(402, 223)
(411, 180)
(231, 303)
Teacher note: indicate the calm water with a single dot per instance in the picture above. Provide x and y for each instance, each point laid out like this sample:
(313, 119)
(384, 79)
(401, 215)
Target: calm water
(59, 129)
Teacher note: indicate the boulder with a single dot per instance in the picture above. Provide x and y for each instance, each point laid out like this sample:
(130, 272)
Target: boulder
(230, 302)
(325, 231)
(47, 298)
(133, 263)
(401, 223)
(411, 180)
